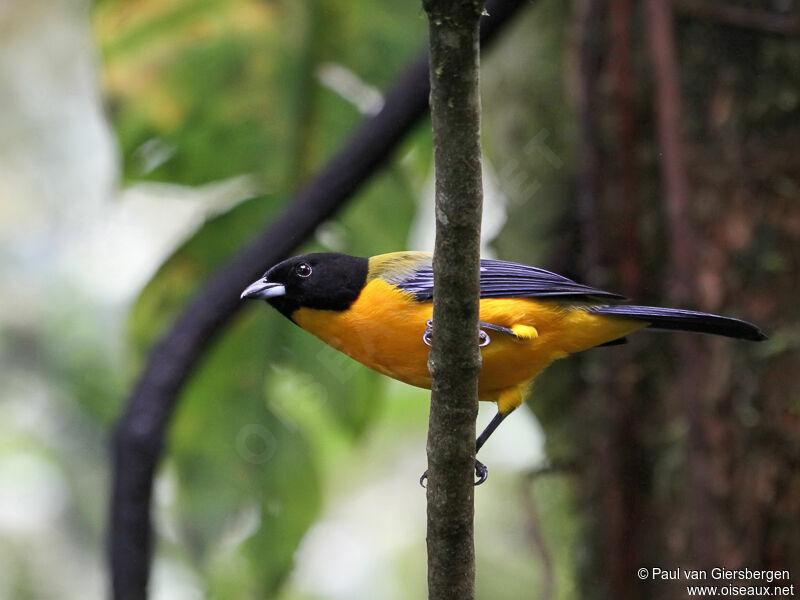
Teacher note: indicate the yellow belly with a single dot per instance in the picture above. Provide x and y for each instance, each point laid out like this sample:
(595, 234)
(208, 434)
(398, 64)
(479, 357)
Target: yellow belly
(383, 330)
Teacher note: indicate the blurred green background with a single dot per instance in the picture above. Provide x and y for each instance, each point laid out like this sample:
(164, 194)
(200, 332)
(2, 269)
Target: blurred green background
(142, 141)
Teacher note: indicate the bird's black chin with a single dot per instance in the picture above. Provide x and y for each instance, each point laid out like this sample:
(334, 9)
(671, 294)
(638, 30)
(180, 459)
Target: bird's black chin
(283, 305)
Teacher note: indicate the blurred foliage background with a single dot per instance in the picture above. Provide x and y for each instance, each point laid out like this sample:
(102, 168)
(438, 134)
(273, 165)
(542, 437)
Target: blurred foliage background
(142, 142)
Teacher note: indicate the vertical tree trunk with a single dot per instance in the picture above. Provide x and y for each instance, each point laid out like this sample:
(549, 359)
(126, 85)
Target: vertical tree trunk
(690, 359)
(673, 448)
(454, 360)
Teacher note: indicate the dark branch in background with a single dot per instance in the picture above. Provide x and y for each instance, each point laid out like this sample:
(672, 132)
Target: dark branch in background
(589, 55)
(138, 441)
(740, 16)
(533, 529)
(690, 360)
(454, 360)
(621, 63)
(674, 179)
(533, 526)
(606, 233)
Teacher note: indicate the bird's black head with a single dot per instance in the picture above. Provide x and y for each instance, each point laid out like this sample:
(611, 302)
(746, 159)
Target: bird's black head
(325, 281)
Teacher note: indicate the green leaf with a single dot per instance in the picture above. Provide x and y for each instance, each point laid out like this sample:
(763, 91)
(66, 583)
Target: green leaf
(233, 454)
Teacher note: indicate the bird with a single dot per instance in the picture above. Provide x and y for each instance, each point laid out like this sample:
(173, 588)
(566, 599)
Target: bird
(379, 311)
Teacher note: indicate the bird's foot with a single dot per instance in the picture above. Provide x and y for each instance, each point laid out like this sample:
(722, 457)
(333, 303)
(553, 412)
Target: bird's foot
(481, 472)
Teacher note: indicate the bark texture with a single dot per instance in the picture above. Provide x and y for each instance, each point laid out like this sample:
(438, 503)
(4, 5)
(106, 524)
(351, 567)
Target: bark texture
(454, 360)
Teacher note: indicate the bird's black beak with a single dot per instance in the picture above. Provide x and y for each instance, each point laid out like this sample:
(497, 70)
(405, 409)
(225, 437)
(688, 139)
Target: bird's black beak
(263, 289)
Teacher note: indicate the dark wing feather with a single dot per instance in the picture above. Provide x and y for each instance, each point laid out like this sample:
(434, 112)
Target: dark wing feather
(500, 279)
(678, 319)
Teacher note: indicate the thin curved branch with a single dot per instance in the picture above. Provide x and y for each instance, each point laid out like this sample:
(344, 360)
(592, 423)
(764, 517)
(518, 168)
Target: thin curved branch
(138, 439)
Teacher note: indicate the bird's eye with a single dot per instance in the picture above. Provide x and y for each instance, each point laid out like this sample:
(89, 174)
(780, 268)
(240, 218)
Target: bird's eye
(303, 270)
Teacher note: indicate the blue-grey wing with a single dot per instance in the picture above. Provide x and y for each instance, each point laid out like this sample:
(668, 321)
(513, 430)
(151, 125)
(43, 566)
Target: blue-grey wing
(501, 279)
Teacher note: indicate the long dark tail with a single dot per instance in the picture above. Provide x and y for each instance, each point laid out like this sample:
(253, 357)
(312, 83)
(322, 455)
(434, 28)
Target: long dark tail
(685, 320)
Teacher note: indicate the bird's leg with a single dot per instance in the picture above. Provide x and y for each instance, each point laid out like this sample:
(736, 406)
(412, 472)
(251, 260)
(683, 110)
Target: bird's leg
(489, 430)
(481, 472)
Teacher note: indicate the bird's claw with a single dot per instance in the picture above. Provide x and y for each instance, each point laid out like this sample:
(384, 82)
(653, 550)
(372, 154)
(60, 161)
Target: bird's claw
(481, 472)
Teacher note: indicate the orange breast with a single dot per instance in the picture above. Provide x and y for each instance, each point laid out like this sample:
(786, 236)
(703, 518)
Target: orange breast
(383, 330)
